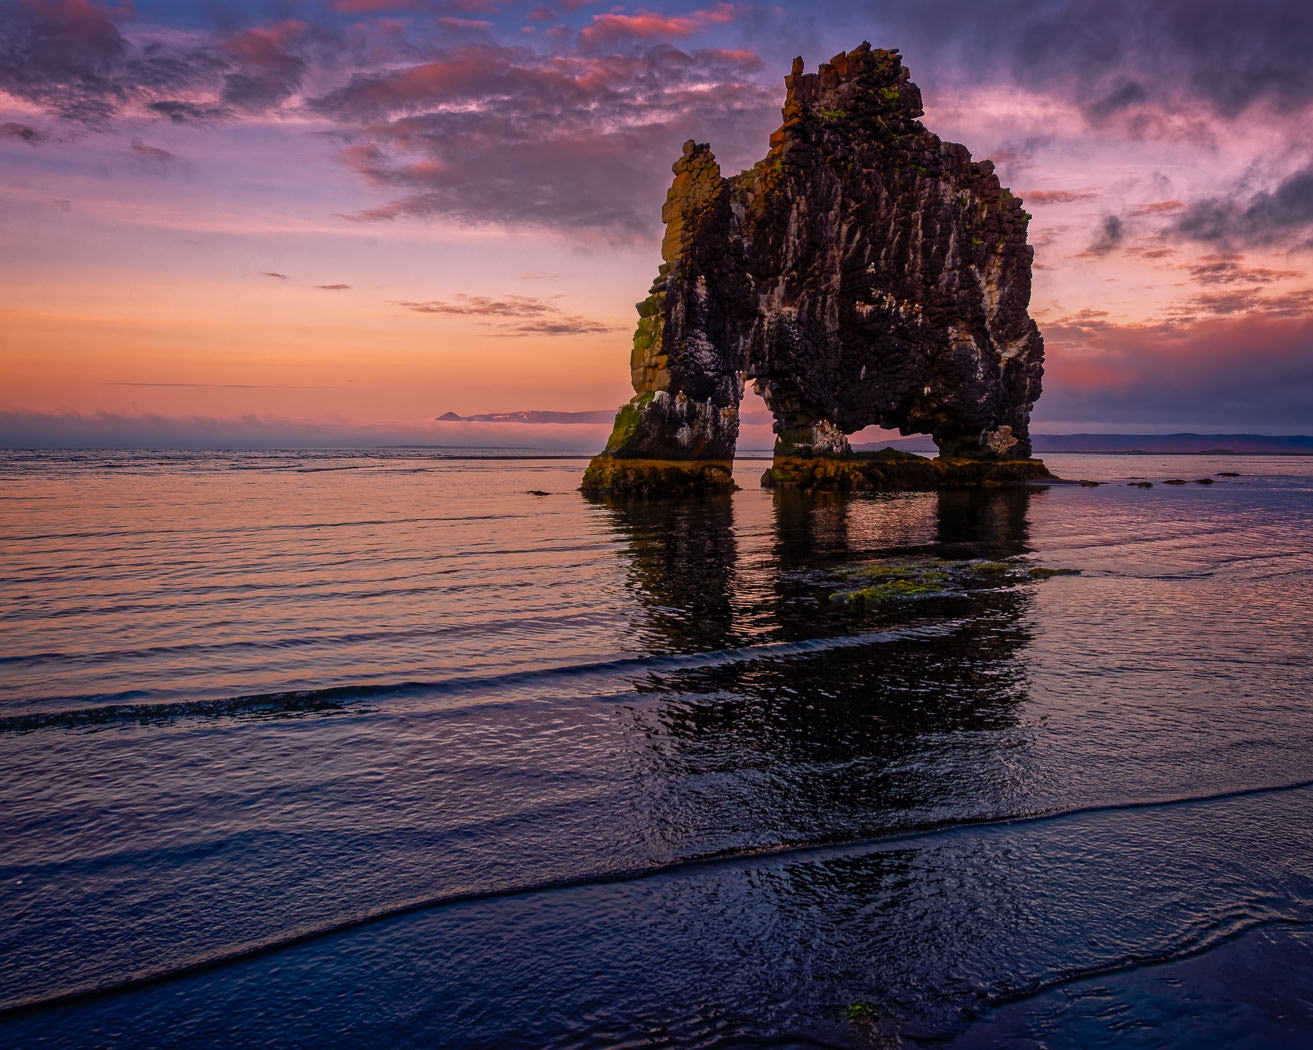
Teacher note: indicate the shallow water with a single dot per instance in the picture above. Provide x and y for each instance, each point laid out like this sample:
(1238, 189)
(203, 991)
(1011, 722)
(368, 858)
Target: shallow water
(327, 748)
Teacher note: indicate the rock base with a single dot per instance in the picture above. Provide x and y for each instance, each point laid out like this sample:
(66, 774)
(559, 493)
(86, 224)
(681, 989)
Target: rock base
(893, 471)
(648, 478)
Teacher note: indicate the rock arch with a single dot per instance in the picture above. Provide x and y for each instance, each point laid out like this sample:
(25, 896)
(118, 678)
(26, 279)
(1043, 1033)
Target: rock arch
(863, 272)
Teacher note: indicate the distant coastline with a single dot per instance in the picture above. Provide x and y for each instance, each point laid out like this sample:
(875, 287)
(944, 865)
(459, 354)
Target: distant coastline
(1155, 444)
(1044, 444)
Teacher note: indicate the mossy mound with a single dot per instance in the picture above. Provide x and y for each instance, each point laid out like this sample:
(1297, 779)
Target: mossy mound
(648, 478)
(877, 583)
(992, 568)
(895, 579)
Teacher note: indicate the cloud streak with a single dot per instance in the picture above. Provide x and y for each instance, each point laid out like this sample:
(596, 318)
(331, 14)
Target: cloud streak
(154, 154)
(117, 431)
(512, 315)
(1057, 196)
(536, 417)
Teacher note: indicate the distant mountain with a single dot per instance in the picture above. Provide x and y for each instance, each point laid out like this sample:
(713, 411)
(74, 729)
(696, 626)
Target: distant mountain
(535, 416)
(1299, 444)
(1238, 443)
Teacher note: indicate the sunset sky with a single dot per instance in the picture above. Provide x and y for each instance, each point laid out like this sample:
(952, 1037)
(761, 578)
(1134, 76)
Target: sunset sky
(307, 222)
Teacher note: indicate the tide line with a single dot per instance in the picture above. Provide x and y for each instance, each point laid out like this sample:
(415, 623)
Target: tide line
(1214, 935)
(813, 851)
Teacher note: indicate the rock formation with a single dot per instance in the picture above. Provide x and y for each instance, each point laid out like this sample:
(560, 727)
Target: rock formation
(863, 273)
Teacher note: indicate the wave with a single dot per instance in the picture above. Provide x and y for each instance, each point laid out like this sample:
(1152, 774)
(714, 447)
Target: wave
(1195, 942)
(335, 697)
(1192, 943)
(229, 593)
(289, 642)
(292, 526)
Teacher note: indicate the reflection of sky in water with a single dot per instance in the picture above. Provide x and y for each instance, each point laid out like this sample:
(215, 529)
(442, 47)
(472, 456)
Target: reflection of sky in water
(661, 706)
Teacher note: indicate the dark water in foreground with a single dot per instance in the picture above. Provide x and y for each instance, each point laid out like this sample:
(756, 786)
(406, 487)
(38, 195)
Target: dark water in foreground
(380, 749)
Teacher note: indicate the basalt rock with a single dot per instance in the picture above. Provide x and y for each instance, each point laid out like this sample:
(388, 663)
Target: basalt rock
(894, 471)
(863, 273)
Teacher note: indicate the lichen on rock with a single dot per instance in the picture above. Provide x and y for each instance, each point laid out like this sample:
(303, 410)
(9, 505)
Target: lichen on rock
(863, 272)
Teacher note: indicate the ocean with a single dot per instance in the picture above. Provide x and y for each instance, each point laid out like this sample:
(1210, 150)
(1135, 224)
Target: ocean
(412, 748)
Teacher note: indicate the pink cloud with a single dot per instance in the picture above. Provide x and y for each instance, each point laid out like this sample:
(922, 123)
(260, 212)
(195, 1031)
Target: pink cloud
(646, 25)
(1057, 196)
(617, 28)
(1159, 208)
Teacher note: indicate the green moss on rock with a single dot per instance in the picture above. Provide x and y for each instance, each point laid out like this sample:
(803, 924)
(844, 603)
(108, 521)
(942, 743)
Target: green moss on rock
(893, 471)
(887, 580)
(647, 478)
(627, 420)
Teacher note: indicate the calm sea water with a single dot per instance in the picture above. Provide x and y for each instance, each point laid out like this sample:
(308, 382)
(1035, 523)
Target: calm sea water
(392, 749)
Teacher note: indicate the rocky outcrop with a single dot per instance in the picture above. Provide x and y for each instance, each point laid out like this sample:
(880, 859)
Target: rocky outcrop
(863, 273)
(893, 471)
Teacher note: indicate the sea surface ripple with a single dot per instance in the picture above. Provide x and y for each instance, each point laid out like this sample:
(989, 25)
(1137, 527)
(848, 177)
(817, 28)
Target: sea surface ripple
(411, 748)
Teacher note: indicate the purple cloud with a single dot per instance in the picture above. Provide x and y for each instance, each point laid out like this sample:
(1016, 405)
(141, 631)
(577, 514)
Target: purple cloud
(1283, 215)
(514, 136)
(512, 315)
(13, 130)
(70, 58)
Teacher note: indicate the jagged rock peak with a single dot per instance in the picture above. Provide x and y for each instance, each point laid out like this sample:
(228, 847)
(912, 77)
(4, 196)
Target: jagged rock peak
(862, 272)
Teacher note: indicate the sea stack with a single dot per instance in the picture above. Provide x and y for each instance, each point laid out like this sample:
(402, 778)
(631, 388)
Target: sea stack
(863, 273)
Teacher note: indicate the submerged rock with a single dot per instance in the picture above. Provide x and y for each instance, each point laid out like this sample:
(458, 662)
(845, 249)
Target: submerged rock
(890, 580)
(863, 273)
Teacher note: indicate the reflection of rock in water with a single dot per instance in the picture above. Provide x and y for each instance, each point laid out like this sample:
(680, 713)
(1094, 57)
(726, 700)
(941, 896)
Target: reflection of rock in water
(850, 738)
(959, 523)
(682, 557)
(985, 523)
(830, 525)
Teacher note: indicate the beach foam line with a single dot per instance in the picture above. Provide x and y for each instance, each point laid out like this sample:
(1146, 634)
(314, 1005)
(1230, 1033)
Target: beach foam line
(336, 697)
(1220, 931)
(736, 858)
